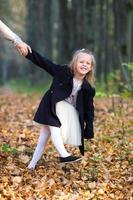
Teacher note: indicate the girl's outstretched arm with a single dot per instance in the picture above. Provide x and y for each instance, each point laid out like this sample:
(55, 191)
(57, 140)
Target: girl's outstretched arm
(6, 33)
(46, 64)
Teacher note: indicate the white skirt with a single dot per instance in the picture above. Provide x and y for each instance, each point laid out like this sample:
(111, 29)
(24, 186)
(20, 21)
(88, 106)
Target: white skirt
(70, 126)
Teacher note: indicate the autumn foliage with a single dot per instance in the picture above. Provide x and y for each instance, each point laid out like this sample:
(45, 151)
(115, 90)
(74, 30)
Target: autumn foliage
(105, 171)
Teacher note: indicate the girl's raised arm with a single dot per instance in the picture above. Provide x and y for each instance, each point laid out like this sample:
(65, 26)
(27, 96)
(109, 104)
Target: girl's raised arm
(46, 64)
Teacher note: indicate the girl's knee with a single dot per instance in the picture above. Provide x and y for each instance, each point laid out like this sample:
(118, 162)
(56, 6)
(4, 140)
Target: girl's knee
(45, 128)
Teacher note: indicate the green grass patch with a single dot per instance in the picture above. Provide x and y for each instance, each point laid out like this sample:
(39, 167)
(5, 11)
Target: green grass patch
(130, 132)
(26, 86)
(7, 149)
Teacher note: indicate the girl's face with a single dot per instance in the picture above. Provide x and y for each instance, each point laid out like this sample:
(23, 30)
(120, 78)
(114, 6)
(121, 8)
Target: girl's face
(83, 64)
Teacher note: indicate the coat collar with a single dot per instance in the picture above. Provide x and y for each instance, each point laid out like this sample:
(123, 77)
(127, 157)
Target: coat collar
(85, 85)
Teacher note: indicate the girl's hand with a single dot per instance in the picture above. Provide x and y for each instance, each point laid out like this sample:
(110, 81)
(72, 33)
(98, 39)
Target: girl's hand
(23, 48)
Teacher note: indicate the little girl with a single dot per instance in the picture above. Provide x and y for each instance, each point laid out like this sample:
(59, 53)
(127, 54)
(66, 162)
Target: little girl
(66, 111)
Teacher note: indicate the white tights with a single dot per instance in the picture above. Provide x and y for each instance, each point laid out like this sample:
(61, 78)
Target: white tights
(42, 141)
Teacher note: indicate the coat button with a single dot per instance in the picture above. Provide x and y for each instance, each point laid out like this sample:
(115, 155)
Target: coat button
(51, 91)
(61, 84)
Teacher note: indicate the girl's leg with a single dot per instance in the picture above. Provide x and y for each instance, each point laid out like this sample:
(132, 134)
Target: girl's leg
(57, 141)
(42, 140)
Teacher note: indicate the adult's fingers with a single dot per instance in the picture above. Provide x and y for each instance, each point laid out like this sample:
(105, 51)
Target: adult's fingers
(23, 51)
(29, 48)
(20, 51)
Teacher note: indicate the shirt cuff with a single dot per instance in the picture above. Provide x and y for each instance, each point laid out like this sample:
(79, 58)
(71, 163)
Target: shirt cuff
(17, 40)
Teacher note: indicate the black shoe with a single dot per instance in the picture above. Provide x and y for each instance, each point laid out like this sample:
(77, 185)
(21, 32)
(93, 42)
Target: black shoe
(69, 159)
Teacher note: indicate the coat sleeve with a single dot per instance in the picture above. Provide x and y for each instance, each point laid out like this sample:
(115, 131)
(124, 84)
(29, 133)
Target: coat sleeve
(89, 115)
(6, 33)
(44, 63)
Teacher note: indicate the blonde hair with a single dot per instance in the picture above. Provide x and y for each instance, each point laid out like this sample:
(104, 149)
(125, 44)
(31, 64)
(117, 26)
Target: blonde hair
(90, 76)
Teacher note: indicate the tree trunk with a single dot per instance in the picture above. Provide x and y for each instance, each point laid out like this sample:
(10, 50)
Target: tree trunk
(39, 31)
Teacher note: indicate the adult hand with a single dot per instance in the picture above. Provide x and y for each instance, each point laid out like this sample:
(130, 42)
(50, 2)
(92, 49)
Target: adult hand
(23, 48)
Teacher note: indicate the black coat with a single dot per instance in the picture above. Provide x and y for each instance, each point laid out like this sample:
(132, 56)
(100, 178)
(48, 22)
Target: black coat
(60, 89)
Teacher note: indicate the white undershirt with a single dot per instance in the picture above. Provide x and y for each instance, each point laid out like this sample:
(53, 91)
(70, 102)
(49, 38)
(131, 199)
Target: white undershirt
(73, 96)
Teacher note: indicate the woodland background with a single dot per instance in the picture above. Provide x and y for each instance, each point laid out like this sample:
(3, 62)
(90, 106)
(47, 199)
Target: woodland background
(57, 28)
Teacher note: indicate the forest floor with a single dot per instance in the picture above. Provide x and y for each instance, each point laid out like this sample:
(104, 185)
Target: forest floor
(104, 172)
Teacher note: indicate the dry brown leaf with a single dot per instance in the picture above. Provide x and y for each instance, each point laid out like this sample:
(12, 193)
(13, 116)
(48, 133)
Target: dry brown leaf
(17, 179)
(24, 158)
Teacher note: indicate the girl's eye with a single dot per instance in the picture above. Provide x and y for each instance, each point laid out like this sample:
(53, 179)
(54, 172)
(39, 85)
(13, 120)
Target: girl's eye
(81, 61)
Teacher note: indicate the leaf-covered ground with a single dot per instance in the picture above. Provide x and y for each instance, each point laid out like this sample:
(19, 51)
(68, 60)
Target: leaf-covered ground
(105, 171)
